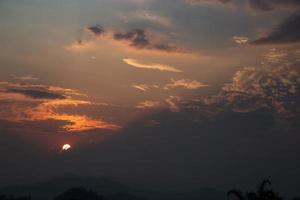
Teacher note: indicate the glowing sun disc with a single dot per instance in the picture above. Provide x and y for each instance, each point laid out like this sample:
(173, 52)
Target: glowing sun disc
(66, 147)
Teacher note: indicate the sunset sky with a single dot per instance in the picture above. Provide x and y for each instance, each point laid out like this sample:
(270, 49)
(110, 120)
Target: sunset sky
(162, 93)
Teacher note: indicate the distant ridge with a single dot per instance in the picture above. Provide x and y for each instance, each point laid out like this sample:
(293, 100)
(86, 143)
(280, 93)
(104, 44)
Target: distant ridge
(49, 189)
(104, 186)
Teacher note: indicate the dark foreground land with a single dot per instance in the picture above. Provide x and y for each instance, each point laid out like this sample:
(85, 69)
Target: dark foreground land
(87, 188)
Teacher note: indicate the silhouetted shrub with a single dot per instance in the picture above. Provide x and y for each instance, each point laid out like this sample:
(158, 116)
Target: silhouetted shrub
(263, 192)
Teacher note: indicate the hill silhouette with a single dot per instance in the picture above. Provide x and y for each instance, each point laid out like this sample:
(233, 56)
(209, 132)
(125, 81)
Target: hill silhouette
(112, 190)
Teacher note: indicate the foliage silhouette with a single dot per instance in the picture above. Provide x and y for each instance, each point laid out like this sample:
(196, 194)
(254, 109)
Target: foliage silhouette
(263, 192)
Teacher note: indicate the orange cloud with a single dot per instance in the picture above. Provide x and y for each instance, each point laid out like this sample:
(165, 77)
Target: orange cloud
(184, 83)
(148, 104)
(80, 45)
(155, 66)
(33, 103)
(144, 87)
(173, 103)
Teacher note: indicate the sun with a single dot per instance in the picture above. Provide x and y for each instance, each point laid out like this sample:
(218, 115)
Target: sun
(66, 147)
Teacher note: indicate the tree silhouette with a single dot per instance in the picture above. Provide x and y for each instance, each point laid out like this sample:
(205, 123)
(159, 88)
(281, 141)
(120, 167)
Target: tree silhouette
(78, 193)
(263, 192)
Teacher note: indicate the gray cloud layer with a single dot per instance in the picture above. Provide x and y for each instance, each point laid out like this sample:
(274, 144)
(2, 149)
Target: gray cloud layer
(261, 5)
(287, 32)
(267, 5)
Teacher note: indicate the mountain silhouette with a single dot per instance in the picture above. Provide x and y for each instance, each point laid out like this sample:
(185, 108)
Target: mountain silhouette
(112, 190)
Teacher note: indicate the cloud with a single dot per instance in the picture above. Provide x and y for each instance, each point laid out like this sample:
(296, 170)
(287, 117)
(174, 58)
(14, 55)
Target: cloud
(96, 30)
(287, 32)
(152, 123)
(268, 5)
(25, 78)
(240, 39)
(37, 93)
(147, 16)
(273, 86)
(81, 45)
(173, 103)
(139, 39)
(148, 104)
(181, 83)
(184, 83)
(23, 103)
(144, 87)
(201, 2)
(155, 66)
(258, 5)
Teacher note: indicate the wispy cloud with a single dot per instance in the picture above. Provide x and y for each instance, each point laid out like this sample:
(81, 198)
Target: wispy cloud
(145, 65)
(81, 45)
(201, 2)
(173, 103)
(185, 83)
(148, 104)
(25, 78)
(240, 39)
(144, 87)
(150, 17)
(33, 103)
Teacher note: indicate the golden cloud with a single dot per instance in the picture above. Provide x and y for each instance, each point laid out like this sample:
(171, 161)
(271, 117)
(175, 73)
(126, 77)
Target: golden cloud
(144, 87)
(144, 65)
(148, 104)
(32, 103)
(185, 83)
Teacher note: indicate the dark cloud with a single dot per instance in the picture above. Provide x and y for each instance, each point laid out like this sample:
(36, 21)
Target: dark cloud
(165, 47)
(196, 2)
(137, 37)
(38, 94)
(267, 5)
(287, 32)
(96, 30)
(261, 5)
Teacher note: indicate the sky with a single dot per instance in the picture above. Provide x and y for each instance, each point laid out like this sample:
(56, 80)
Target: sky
(172, 94)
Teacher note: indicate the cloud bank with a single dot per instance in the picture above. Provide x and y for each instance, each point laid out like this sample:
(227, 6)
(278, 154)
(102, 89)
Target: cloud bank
(273, 86)
(287, 32)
